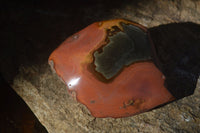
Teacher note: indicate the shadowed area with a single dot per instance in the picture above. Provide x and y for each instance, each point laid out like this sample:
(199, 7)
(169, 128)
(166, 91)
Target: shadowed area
(15, 115)
(178, 56)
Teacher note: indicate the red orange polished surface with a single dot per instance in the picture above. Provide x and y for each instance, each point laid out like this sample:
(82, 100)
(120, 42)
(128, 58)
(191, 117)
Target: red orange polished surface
(138, 87)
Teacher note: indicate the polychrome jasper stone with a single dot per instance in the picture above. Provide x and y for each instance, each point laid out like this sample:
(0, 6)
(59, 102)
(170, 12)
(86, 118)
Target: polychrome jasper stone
(109, 65)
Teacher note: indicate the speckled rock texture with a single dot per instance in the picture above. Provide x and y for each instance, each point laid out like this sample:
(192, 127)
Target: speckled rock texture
(31, 31)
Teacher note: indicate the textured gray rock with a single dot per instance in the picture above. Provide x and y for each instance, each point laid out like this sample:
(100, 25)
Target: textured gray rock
(45, 27)
(48, 98)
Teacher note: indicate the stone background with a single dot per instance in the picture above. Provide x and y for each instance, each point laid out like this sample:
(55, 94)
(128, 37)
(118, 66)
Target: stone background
(31, 30)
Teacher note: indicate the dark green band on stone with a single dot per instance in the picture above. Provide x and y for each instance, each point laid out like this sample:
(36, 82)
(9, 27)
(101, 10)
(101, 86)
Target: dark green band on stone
(124, 48)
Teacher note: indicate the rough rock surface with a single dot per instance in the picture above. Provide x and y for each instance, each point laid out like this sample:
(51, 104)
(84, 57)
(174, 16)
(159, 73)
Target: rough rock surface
(37, 29)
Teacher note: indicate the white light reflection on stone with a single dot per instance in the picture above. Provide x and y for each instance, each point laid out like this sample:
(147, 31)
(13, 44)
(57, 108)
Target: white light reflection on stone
(73, 82)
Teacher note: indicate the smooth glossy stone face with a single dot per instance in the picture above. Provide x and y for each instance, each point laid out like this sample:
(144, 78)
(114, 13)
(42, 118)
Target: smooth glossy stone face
(108, 65)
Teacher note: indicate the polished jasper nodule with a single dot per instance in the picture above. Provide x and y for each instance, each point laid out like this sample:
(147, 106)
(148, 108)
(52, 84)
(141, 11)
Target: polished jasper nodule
(123, 48)
(109, 67)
